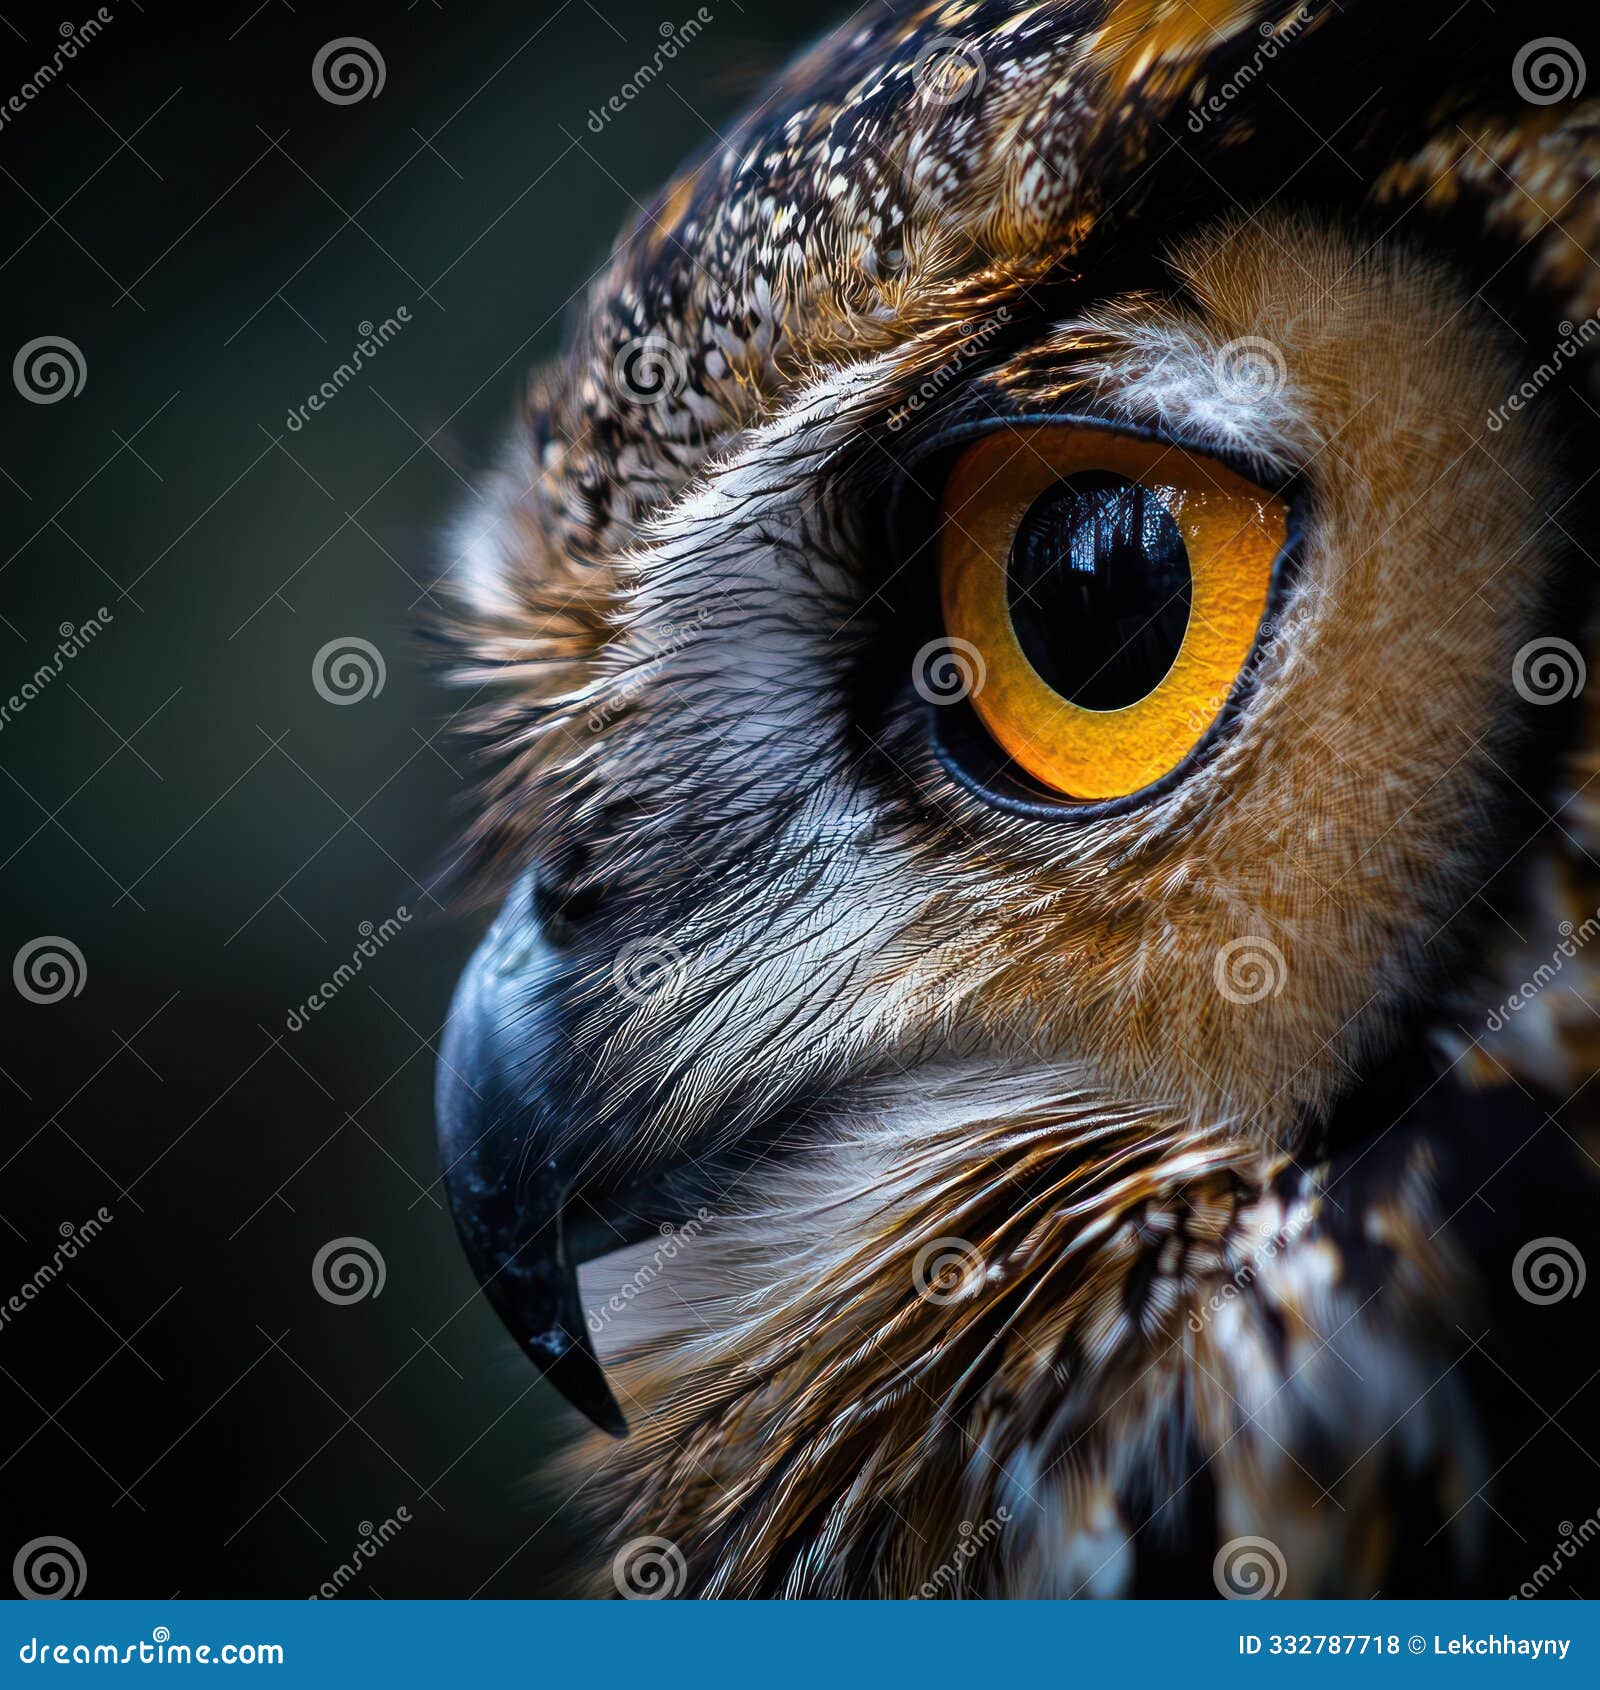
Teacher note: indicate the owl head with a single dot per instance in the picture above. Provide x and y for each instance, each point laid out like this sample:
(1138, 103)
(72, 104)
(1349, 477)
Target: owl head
(1038, 621)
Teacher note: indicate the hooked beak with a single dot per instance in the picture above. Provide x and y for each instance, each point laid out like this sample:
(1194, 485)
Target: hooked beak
(512, 1162)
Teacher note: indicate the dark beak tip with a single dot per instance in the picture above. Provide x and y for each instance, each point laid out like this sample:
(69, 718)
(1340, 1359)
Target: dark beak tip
(575, 1371)
(614, 1425)
(600, 1409)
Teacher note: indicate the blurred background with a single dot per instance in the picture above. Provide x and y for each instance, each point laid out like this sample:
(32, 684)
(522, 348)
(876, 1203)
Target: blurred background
(229, 774)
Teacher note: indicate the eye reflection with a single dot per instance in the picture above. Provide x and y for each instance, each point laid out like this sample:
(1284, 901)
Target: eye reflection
(1099, 589)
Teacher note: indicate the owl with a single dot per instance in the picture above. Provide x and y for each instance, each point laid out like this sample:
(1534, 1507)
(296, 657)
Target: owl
(1029, 662)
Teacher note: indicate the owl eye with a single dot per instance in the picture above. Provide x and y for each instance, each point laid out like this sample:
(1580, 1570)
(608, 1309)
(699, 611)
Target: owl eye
(1112, 588)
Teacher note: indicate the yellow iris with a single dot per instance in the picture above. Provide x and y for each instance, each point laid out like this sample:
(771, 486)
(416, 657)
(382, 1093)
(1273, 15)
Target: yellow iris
(1231, 533)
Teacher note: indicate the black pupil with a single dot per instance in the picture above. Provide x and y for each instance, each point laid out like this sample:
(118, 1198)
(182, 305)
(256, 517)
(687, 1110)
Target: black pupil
(1099, 589)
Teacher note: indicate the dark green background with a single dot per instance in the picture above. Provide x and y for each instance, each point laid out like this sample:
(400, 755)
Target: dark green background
(183, 806)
